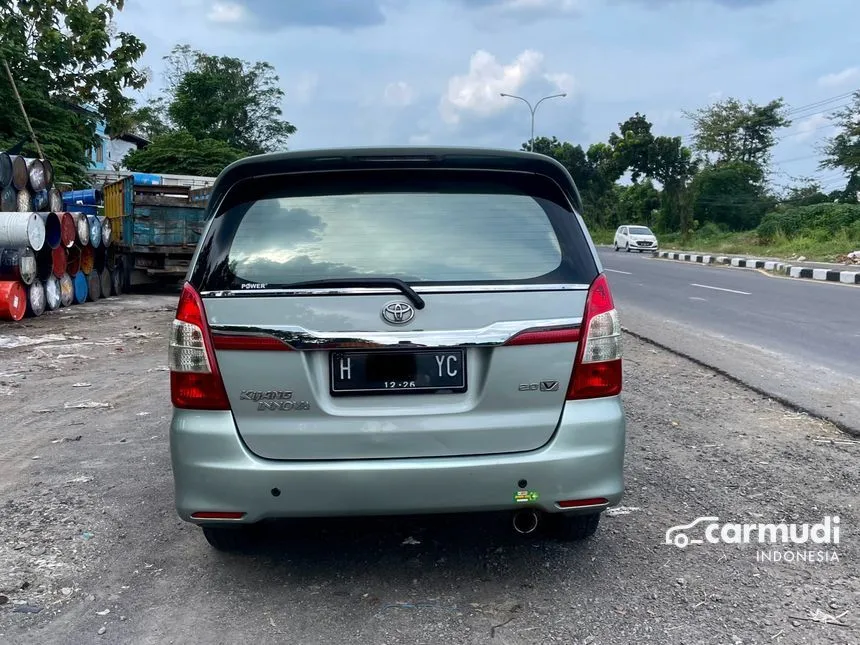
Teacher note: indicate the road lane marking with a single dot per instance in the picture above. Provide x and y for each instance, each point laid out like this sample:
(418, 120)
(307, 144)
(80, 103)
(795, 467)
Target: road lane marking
(704, 286)
(617, 271)
(697, 298)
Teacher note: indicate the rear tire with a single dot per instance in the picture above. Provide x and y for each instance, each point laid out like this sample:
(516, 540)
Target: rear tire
(572, 528)
(615, 246)
(227, 539)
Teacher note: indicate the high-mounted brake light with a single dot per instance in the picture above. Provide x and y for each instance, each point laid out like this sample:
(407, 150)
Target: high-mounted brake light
(195, 382)
(597, 370)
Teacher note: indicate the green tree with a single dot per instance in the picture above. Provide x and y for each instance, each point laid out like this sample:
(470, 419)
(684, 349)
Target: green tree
(664, 159)
(637, 203)
(146, 121)
(64, 54)
(633, 147)
(226, 99)
(589, 173)
(671, 163)
(842, 151)
(731, 131)
(183, 154)
(728, 195)
(806, 192)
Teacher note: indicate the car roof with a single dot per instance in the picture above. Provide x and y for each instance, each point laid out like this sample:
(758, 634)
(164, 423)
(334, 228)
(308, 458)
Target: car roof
(396, 157)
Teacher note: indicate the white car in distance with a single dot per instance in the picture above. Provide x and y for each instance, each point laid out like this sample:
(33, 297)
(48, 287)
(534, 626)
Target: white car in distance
(635, 238)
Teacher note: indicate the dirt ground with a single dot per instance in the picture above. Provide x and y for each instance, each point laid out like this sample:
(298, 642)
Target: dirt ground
(92, 551)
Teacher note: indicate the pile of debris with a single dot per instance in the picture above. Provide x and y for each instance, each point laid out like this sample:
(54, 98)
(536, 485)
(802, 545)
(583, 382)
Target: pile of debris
(849, 258)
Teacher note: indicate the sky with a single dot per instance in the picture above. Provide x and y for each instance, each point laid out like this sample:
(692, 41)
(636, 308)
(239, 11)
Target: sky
(401, 72)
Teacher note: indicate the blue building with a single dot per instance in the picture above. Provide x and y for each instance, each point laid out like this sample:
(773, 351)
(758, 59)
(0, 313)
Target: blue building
(99, 154)
(108, 154)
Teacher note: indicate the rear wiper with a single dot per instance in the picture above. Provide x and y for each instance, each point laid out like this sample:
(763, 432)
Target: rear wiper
(397, 283)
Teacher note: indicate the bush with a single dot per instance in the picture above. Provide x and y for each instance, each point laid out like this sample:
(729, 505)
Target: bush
(821, 221)
(767, 230)
(711, 229)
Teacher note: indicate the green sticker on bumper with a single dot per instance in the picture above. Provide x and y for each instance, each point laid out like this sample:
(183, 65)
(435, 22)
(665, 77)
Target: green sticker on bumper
(525, 496)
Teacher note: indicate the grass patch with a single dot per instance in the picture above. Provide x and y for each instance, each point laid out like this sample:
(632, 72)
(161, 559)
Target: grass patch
(602, 236)
(814, 245)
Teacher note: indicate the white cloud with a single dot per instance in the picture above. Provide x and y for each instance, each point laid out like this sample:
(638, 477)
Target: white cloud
(556, 6)
(563, 81)
(478, 92)
(304, 88)
(528, 10)
(226, 12)
(399, 94)
(807, 128)
(846, 76)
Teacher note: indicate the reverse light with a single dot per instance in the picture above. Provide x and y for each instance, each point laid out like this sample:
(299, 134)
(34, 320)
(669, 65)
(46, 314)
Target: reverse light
(195, 382)
(597, 369)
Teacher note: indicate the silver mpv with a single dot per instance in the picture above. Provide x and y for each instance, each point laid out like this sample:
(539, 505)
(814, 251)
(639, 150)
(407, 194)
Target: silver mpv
(396, 331)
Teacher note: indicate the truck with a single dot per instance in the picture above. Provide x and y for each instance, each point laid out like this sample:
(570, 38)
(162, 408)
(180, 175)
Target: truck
(156, 222)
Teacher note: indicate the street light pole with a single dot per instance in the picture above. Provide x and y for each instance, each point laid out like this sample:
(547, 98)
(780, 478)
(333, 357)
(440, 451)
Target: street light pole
(532, 110)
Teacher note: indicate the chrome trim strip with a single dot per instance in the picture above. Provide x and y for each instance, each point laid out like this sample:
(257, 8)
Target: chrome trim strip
(302, 339)
(353, 291)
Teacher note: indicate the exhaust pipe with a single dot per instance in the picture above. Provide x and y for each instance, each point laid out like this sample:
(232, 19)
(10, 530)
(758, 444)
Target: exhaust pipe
(526, 521)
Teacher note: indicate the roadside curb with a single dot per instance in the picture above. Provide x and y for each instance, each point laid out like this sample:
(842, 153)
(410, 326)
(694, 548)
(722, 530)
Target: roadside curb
(822, 415)
(780, 268)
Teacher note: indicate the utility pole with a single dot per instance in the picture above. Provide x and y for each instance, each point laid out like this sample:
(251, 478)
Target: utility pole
(532, 111)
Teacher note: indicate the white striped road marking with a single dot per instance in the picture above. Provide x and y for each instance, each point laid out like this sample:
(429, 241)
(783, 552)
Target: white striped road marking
(704, 286)
(697, 298)
(617, 271)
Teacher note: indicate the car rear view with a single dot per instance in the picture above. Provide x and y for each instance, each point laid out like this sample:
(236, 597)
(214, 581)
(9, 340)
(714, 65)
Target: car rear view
(383, 332)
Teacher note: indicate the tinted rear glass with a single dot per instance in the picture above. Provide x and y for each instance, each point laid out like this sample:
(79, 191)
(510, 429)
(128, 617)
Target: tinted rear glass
(425, 230)
(412, 236)
(639, 230)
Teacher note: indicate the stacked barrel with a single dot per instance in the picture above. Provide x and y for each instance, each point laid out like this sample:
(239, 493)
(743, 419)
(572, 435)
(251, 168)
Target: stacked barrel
(49, 258)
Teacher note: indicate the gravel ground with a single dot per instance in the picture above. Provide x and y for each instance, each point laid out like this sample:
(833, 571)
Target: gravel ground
(91, 549)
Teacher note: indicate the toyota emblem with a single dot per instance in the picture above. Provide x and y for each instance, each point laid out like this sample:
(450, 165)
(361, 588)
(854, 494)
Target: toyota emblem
(398, 313)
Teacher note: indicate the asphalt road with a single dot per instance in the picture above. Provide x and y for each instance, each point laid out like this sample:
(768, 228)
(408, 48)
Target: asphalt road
(91, 549)
(797, 340)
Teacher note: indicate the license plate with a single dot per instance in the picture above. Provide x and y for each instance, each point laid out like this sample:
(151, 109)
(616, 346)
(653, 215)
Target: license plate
(403, 372)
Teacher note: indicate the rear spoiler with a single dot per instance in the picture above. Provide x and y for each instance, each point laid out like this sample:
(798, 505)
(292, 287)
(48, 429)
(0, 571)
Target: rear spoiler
(403, 158)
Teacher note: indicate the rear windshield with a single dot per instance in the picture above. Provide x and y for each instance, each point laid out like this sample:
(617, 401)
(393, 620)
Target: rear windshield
(421, 234)
(640, 230)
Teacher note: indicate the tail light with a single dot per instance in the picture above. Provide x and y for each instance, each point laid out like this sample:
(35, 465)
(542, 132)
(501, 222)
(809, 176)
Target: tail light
(195, 382)
(597, 370)
(544, 336)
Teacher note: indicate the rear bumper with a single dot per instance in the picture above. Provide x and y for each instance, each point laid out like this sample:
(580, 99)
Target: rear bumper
(213, 471)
